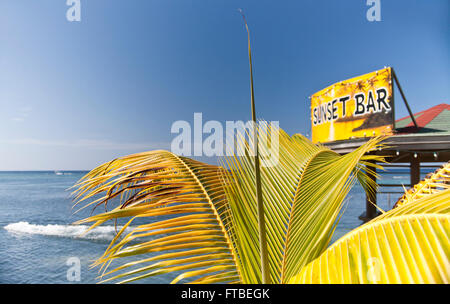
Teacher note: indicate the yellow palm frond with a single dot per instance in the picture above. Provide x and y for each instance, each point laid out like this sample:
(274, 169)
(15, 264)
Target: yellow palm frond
(193, 236)
(435, 182)
(411, 248)
(437, 203)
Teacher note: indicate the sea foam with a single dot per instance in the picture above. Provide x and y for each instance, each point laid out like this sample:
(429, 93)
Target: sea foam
(71, 231)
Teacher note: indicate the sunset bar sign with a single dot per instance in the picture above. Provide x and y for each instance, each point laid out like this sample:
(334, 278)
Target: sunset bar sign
(358, 107)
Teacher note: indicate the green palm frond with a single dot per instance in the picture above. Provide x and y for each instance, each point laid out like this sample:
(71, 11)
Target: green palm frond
(435, 182)
(209, 231)
(303, 195)
(412, 248)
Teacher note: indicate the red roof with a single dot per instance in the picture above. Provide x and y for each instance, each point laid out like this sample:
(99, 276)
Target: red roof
(425, 117)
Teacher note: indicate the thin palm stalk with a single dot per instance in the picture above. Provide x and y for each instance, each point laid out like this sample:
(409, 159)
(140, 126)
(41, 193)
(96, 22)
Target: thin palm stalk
(261, 217)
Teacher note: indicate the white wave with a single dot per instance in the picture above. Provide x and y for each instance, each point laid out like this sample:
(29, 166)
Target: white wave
(63, 173)
(71, 231)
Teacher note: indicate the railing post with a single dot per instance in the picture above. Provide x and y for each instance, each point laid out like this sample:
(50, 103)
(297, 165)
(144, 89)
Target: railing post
(414, 170)
(371, 199)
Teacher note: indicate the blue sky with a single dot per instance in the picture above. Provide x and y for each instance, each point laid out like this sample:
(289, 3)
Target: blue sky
(76, 94)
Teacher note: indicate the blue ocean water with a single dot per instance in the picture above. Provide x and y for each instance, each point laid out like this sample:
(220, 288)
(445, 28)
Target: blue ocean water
(37, 240)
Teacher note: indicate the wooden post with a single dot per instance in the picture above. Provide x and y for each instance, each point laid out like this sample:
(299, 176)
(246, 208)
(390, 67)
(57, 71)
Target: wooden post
(371, 199)
(414, 170)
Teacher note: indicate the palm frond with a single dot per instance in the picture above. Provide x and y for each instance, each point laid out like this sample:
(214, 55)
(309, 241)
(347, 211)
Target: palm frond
(201, 220)
(412, 248)
(302, 194)
(437, 181)
(436, 203)
(193, 237)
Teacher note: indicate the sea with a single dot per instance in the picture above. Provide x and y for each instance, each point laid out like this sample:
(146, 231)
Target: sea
(39, 244)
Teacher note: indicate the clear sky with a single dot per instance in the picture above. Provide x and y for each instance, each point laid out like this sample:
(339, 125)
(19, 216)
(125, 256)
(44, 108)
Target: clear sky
(76, 94)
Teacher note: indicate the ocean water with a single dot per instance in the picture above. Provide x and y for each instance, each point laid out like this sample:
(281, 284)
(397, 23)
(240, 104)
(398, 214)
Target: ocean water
(37, 240)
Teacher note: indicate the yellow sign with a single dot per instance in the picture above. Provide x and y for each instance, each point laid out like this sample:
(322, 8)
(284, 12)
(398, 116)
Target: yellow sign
(358, 107)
